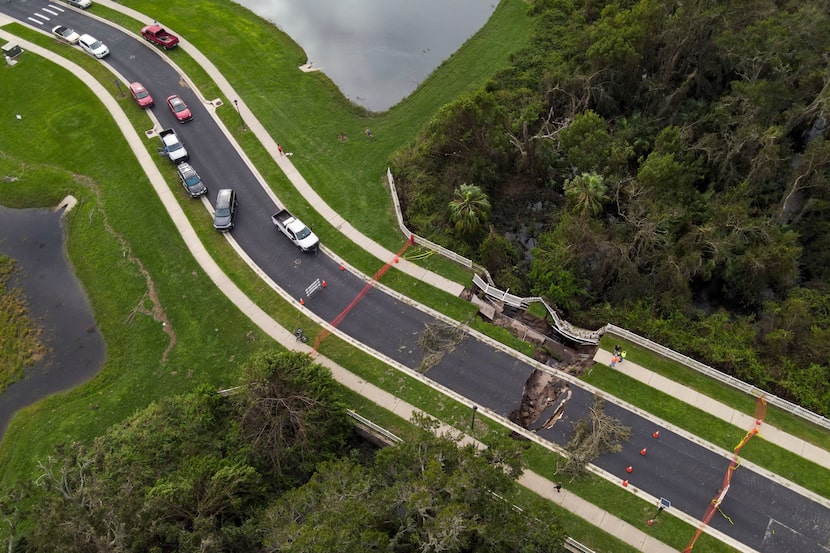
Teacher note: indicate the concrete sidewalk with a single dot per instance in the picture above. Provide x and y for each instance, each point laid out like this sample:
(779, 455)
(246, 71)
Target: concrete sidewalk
(717, 409)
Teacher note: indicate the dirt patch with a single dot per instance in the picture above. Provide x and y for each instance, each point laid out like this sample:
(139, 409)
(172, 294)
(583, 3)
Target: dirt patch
(155, 309)
(542, 391)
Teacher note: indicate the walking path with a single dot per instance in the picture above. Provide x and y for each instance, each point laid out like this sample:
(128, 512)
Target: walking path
(717, 409)
(608, 522)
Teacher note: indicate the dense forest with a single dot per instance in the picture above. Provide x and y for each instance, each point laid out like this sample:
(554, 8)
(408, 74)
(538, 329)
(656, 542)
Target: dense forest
(658, 164)
(273, 466)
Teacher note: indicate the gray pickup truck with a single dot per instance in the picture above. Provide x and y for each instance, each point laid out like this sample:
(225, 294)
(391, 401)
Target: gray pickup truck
(296, 231)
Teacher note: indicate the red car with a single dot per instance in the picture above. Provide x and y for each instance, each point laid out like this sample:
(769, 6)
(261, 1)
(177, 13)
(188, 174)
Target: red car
(179, 108)
(141, 96)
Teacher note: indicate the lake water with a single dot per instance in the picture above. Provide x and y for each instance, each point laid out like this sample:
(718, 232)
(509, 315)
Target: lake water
(376, 51)
(34, 238)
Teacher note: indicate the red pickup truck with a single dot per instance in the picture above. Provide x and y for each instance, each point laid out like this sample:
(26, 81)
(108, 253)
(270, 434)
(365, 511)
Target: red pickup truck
(157, 35)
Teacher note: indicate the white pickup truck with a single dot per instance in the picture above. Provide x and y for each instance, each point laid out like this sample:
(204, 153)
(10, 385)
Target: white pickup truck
(173, 147)
(296, 231)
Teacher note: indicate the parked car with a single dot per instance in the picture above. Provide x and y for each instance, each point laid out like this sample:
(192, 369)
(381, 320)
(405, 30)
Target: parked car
(66, 34)
(141, 96)
(191, 180)
(83, 4)
(93, 46)
(225, 214)
(179, 108)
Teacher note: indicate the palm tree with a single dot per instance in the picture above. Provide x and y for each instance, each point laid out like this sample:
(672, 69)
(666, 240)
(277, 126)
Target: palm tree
(468, 209)
(586, 192)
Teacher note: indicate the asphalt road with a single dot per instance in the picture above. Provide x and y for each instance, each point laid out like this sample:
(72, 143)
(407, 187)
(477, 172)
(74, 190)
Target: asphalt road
(764, 515)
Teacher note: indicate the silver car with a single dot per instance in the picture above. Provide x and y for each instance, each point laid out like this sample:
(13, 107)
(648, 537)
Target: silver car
(225, 215)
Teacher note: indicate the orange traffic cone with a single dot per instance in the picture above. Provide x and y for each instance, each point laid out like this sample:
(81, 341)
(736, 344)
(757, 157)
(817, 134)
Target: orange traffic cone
(324, 284)
(629, 470)
(342, 267)
(656, 435)
(643, 451)
(625, 483)
(302, 301)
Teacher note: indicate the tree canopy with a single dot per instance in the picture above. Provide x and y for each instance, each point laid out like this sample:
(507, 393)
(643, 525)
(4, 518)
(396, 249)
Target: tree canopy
(271, 466)
(660, 165)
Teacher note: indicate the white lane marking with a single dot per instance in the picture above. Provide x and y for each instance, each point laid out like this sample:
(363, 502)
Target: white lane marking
(50, 11)
(33, 20)
(43, 16)
(57, 8)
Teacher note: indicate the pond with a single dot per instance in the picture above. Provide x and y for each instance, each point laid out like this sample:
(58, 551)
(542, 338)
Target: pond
(376, 51)
(34, 238)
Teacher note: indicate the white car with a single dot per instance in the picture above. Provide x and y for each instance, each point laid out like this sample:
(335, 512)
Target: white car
(93, 46)
(65, 33)
(83, 4)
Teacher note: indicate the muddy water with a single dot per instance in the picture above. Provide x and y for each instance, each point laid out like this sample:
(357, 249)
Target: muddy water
(34, 238)
(376, 51)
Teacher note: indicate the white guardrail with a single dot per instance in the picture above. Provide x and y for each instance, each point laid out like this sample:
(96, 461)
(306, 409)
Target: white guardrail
(754, 391)
(414, 237)
(575, 547)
